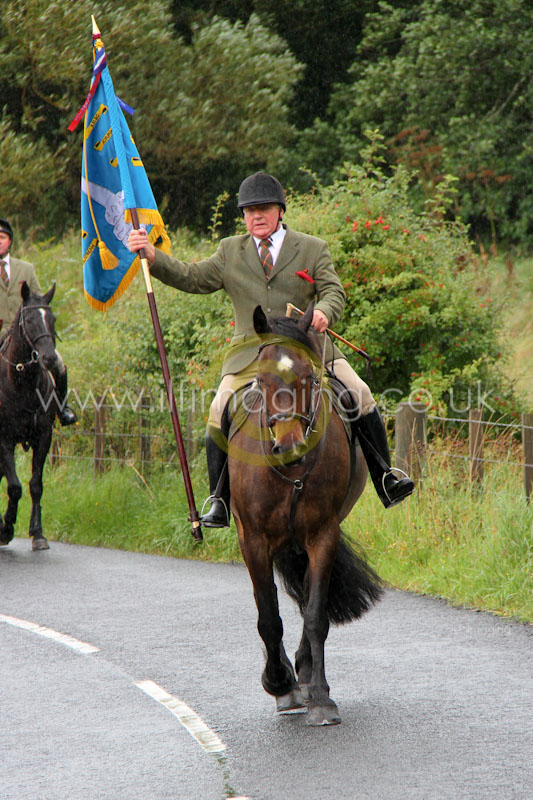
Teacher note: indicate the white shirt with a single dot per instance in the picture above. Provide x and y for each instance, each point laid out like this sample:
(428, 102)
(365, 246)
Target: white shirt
(277, 240)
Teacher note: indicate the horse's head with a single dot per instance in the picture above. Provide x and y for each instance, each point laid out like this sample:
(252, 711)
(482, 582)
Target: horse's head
(287, 367)
(36, 324)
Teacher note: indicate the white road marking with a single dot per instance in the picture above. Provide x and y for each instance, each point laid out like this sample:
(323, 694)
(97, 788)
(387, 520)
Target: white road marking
(49, 633)
(190, 720)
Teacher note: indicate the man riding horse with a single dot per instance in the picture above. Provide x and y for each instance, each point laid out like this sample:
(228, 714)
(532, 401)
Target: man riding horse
(13, 272)
(270, 266)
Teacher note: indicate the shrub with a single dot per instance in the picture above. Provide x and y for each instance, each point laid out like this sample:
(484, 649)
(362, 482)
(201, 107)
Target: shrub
(416, 294)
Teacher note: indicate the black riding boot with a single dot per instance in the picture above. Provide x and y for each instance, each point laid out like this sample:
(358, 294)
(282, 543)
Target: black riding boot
(65, 414)
(373, 440)
(217, 468)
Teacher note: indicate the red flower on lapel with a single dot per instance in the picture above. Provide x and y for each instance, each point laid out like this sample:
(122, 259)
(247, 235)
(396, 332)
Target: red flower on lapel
(303, 273)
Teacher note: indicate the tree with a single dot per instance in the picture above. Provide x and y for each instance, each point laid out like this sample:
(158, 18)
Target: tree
(321, 34)
(415, 298)
(206, 111)
(448, 83)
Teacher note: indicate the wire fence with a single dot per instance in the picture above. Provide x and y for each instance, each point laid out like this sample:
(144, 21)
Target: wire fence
(143, 437)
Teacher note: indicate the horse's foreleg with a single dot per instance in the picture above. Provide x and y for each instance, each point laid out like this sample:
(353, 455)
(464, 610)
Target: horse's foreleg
(322, 709)
(14, 493)
(36, 491)
(303, 664)
(303, 660)
(278, 677)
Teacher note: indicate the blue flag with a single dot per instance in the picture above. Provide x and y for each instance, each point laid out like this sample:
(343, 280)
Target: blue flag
(113, 180)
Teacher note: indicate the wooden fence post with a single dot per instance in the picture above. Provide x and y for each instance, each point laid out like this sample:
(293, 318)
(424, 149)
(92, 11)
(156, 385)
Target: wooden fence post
(475, 441)
(53, 456)
(99, 436)
(527, 445)
(410, 435)
(191, 441)
(145, 426)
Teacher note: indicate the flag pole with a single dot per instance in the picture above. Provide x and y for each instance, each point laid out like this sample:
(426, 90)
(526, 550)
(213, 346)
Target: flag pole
(196, 530)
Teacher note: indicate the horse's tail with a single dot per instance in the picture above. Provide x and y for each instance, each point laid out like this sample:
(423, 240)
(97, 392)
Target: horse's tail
(353, 586)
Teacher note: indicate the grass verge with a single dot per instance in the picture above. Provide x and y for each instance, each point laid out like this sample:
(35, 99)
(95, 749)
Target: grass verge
(472, 545)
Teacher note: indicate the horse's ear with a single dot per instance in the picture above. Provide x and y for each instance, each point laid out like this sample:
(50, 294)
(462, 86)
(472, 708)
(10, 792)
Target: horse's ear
(260, 321)
(49, 294)
(24, 291)
(305, 321)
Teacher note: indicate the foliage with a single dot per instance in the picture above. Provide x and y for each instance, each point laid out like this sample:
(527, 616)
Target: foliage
(30, 178)
(448, 84)
(229, 87)
(416, 297)
(322, 35)
(222, 101)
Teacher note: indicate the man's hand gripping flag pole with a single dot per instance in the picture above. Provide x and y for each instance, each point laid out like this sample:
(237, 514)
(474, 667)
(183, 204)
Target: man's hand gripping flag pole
(108, 205)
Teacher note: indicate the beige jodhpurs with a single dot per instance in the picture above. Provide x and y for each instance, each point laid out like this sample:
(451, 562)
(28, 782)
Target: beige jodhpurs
(232, 383)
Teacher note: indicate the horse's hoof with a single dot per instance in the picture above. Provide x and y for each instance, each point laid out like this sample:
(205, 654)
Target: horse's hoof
(291, 703)
(6, 535)
(40, 544)
(323, 715)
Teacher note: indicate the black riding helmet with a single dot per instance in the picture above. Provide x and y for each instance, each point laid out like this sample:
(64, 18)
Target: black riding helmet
(5, 227)
(259, 189)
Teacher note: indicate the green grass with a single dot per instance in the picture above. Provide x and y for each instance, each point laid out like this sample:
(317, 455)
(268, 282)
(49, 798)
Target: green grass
(121, 510)
(472, 545)
(510, 282)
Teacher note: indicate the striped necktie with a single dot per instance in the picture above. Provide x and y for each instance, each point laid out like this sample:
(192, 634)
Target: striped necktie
(3, 273)
(265, 255)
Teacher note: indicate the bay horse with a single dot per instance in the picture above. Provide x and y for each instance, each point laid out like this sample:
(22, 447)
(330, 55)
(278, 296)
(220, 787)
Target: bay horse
(27, 407)
(291, 485)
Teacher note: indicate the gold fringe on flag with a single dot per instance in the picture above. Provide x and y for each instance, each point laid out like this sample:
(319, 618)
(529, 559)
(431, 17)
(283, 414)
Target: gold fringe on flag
(123, 285)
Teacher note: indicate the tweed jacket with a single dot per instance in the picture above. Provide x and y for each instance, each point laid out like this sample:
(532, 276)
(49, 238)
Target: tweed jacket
(236, 268)
(10, 298)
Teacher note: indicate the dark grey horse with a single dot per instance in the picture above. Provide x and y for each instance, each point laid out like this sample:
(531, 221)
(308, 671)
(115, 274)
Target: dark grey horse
(27, 405)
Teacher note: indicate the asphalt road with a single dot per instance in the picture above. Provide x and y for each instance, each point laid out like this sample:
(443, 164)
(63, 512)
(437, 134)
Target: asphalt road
(436, 702)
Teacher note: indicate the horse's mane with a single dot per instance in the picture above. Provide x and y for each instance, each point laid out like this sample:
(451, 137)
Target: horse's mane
(289, 328)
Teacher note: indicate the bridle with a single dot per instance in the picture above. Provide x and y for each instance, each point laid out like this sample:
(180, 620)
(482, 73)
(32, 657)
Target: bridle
(314, 400)
(309, 419)
(34, 358)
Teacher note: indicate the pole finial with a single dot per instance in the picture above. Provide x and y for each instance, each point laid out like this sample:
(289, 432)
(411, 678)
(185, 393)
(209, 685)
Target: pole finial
(96, 30)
